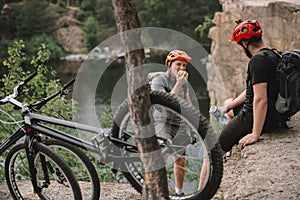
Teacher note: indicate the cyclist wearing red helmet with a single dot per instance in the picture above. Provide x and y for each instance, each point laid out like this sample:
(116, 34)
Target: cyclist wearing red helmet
(174, 81)
(246, 33)
(257, 102)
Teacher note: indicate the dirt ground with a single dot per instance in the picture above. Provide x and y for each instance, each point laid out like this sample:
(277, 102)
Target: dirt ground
(269, 170)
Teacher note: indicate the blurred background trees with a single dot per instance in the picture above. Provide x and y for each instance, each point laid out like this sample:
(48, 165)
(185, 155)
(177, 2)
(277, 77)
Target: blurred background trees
(28, 18)
(34, 22)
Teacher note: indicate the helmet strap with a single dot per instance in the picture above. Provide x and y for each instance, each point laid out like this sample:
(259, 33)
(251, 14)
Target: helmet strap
(249, 55)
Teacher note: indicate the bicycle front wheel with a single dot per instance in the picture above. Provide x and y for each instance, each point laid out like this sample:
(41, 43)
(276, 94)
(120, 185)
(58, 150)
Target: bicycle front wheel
(194, 142)
(81, 165)
(54, 178)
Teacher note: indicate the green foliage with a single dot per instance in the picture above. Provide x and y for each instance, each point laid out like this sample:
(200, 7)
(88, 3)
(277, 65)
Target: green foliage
(106, 118)
(54, 48)
(203, 30)
(4, 45)
(89, 5)
(81, 15)
(32, 18)
(105, 14)
(179, 15)
(183, 16)
(98, 16)
(158, 18)
(38, 87)
(42, 85)
(204, 27)
(62, 4)
(30, 49)
(92, 34)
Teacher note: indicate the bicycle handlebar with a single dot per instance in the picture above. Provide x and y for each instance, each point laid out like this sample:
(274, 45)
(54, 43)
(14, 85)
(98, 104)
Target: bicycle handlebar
(31, 76)
(40, 103)
(43, 101)
(17, 88)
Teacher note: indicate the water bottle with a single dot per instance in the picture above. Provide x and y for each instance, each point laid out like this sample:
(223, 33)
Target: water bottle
(214, 110)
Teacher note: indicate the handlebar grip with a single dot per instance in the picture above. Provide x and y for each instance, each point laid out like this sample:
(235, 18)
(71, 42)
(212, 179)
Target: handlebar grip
(2, 102)
(31, 76)
(68, 84)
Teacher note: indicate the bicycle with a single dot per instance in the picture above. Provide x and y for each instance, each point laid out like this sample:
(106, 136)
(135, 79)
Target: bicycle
(82, 162)
(117, 146)
(37, 158)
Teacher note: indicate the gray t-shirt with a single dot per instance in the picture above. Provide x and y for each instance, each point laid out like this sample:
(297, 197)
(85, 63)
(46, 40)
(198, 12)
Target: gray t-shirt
(166, 82)
(168, 125)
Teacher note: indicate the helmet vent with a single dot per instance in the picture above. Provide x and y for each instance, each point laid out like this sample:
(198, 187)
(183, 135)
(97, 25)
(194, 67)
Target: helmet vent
(256, 29)
(244, 29)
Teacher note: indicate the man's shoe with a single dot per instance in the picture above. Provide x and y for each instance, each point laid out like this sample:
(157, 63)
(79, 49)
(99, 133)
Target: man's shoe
(180, 195)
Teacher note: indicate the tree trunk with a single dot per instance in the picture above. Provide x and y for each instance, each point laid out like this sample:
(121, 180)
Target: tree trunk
(155, 180)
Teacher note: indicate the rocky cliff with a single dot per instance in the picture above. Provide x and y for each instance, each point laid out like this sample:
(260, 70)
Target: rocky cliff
(68, 29)
(280, 21)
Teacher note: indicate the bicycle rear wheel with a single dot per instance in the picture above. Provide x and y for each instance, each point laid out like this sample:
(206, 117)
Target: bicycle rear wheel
(61, 184)
(81, 166)
(200, 150)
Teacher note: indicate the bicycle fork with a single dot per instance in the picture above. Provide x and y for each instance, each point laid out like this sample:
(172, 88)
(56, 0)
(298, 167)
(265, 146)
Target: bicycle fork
(31, 152)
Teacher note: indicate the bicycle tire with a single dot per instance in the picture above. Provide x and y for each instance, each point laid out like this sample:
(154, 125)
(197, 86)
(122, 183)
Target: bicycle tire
(81, 165)
(18, 176)
(203, 132)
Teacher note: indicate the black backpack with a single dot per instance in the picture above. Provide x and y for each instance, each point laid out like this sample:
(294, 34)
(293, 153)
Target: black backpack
(288, 74)
(288, 78)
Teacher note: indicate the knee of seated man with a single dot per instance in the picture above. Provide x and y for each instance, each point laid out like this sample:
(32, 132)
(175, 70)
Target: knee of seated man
(225, 142)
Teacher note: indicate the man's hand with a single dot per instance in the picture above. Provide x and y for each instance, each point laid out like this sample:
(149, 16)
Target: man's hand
(248, 139)
(223, 110)
(182, 78)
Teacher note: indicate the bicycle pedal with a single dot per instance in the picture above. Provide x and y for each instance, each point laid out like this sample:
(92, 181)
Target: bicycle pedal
(115, 171)
(102, 161)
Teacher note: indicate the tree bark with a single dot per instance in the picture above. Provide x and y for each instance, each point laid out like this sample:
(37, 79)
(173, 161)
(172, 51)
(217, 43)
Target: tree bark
(155, 180)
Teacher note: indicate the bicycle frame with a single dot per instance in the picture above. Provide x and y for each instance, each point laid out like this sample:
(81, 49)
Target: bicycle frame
(32, 120)
(16, 136)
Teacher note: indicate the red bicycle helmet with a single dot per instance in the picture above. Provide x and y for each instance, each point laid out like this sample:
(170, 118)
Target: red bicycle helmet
(177, 55)
(246, 31)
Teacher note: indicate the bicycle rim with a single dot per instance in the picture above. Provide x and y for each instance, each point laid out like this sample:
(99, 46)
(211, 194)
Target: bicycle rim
(81, 166)
(62, 186)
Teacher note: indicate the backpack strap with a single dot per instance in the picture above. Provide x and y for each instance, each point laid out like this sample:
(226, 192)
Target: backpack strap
(270, 52)
(276, 52)
(166, 82)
